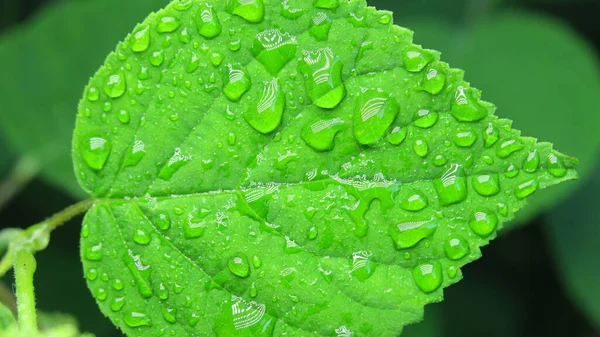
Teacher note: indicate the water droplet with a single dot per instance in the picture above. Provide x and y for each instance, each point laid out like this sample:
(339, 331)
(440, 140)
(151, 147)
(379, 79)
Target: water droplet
(362, 265)
(115, 85)
(486, 185)
(319, 26)
(526, 189)
(428, 277)
(136, 319)
(435, 80)
(95, 152)
(183, 5)
(483, 222)
(256, 261)
(162, 292)
(556, 167)
(290, 13)
(117, 284)
(313, 232)
(532, 162)
(416, 58)
(117, 304)
(157, 58)
(194, 228)
(327, 4)
(466, 106)
(184, 36)
(265, 116)
(426, 119)
(140, 39)
(511, 171)
(451, 186)
(397, 135)
(94, 253)
(168, 24)
(253, 292)
(421, 147)
(439, 160)
(91, 274)
(163, 221)
(216, 58)
(124, 116)
(207, 21)
(509, 147)
(491, 135)
(177, 161)
(320, 134)
(375, 111)
(274, 49)
(452, 271)
(93, 94)
(465, 139)
(237, 82)
(135, 153)
(238, 265)
(142, 237)
(357, 20)
(252, 11)
(411, 200)
(408, 234)
(101, 294)
(385, 19)
(322, 72)
(456, 248)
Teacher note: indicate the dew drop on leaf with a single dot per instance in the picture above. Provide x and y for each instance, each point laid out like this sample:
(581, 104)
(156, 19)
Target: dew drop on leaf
(265, 115)
(483, 222)
(526, 189)
(397, 135)
(141, 237)
(238, 265)
(466, 106)
(411, 200)
(508, 147)
(136, 319)
(327, 4)
(117, 304)
(375, 111)
(456, 248)
(208, 22)
(465, 139)
(136, 152)
(320, 134)
(421, 147)
(94, 253)
(274, 49)
(140, 39)
(319, 26)
(95, 152)
(555, 166)
(435, 80)
(486, 185)
(322, 72)
(168, 24)
(252, 11)
(115, 85)
(237, 82)
(428, 276)
(93, 94)
(532, 162)
(451, 186)
(491, 135)
(408, 234)
(416, 58)
(426, 118)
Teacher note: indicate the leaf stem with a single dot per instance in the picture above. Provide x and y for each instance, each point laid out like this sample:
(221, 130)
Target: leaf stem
(25, 266)
(21, 174)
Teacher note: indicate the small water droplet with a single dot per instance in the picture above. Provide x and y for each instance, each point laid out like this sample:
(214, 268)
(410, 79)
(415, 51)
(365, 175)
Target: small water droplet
(526, 189)
(465, 139)
(511, 171)
(237, 82)
(208, 21)
(411, 200)
(183, 5)
(456, 248)
(322, 72)
(253, 292)
(115, 85)
(238, 265)
(408, 234)
(163, 221)
(397, 135)
(140, 39)
(141, 237)
(466, 106)
(439, 160)
(452, 271)
(117, 284)
(256, 261)
(421, 147)
(290, 13)
(451, 186)
(486, 185)
(509, 147)
(555, 166)
(216, 58)
(117, 304)
(136, 319)
(426, 119)
(157, 58)
(162, 292)
(435, 80)
(483, 222)
(428, 277)
(93, 94)
(532, 162)
(319, 26)
(265, 115)
(168, 24)
(490, 135)
(91, 274)
(94, 253)
(313, 232)
(252, 11)
(375, 111)
(327, 4)
(362, 265)
(177, 161)
(385, 19)
(135, 153)
(416, 58)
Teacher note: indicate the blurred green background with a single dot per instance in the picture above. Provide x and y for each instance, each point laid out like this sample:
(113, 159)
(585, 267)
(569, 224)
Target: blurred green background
(537, 60)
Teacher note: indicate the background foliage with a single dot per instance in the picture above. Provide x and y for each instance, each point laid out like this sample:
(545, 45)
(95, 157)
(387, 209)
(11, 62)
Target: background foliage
(537, 60)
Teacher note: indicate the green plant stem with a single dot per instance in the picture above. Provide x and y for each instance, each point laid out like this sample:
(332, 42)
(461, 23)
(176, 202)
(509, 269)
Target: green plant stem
(22, 173)
(67, 214)
(25, 266)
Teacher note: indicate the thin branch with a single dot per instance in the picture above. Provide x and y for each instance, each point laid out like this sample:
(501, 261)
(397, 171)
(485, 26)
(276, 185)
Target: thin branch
(25, 266)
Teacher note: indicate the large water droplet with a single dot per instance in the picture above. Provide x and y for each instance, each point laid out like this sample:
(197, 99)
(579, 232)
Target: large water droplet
(408, 234)
(490, 135)
(239, 266)
(526, 189)
(291, 13)
(451, 186)
(532, 162)
(428, 277)
(456, 248)
(509, 147)
(375, 111)
(177, 161)
(140, 39)
(416, 58)
(319, 26)
(157, 58)
(466, 106)
(142, 237)
(163, 221)
(168, 24)
(237, 82)
(486, 185)
(252, 11)
(465, 139)
(274, 49)
(95, 152)
(115, 85)
(555, 166)
(411, 200)
(320, 134)
(426, 119)
(322, 72)
(397, 135)
(136, 319)
(435, 80)
(421, 147)
(207, 21)
(135, 153)
(511, 171)
(362, 265)
(483, 222)
(265, 116)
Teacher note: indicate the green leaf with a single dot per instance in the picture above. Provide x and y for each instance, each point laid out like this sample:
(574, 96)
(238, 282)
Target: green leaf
(45, 64)
(7, 319)
(538, 72)
(336, 190)
(573, 234)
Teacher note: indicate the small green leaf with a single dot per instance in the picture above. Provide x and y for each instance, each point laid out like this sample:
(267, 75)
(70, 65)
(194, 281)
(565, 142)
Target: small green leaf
(573, 233)
(335, 197)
